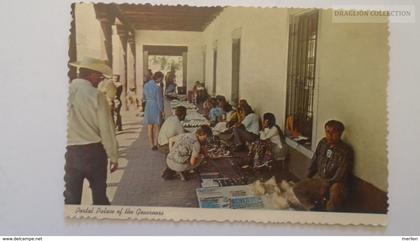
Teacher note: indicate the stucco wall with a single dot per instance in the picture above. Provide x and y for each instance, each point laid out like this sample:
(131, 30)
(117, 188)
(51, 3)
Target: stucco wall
(263, 56)
(352, 82)
(351, 78)
(118, 57)
(192, 40)
(89, 35)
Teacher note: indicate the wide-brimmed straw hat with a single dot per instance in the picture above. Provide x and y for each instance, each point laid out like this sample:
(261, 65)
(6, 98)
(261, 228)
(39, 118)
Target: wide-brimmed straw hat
(94, 64)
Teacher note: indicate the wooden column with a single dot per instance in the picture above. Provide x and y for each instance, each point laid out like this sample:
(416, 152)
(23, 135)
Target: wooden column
(131, 83)
(72, 73)
(132, 45)
(184, 68)
(122, 33)
(145, 64)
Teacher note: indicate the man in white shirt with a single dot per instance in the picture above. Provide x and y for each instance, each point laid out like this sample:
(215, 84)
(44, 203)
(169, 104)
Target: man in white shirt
(170, 128)
(247, 130)
(91, 134)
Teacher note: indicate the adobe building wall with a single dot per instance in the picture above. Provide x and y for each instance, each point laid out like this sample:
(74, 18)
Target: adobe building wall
(350, 85)
(263, 58)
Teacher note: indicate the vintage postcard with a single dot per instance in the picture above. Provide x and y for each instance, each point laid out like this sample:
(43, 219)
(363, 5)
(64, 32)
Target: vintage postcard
(222, 113)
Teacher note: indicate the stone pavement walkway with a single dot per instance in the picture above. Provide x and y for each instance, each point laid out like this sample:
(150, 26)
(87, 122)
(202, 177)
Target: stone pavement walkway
(131, 130)
(137, 181)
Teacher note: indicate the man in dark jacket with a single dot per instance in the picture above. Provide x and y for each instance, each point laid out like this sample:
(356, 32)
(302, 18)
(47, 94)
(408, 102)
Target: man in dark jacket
(328, 176)
(117, 103)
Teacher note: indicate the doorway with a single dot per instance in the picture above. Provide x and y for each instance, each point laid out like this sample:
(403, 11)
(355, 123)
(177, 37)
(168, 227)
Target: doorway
(165, 58)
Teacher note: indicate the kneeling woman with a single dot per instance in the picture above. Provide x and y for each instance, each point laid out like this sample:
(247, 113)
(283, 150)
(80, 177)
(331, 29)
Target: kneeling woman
(186, 151)
(274, 137)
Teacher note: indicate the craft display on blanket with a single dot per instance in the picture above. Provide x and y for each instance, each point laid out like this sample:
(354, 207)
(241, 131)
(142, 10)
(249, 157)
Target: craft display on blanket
(266, 195)
(220, 128)
(260, 154)
(186, 104)
(194, 119)
(218, 150)
(194, 122)
(223, 182)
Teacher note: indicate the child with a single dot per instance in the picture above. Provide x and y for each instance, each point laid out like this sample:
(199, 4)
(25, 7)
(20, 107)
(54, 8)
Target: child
(215, 113)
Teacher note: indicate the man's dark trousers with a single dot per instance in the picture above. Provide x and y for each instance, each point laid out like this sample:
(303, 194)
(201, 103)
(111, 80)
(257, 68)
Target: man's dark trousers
(90, 162)
(117, 114)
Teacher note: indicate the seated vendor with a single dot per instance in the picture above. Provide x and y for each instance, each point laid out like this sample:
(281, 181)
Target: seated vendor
(221, 100)
(186, 152)
(200, 94)
(215, 113)
(170, 89)
(208, 105)
(170, 128)
(238, 114)
(222, 126)
(227, 112)
(327, 185)
(247, 130)
(273, 134)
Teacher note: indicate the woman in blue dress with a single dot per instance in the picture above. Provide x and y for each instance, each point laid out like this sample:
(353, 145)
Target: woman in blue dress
(153, 113)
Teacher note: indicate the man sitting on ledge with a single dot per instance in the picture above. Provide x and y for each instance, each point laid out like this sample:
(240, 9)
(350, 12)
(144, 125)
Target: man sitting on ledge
(327, 185)
(186, 151)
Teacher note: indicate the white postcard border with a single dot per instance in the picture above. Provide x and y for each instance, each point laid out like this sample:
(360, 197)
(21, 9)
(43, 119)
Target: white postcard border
(223, 215)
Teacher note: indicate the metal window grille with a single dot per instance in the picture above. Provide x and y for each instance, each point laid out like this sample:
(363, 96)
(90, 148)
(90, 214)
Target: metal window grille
(303, 31)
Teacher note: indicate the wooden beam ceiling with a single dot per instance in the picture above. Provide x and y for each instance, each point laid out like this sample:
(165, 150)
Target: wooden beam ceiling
(176, 18)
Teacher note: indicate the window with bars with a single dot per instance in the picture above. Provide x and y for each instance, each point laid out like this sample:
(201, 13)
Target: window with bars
(303, 31)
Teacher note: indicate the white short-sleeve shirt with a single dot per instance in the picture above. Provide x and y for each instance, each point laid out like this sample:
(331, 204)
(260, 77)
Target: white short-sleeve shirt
(170, 128)
(251, 123)
(272, 134)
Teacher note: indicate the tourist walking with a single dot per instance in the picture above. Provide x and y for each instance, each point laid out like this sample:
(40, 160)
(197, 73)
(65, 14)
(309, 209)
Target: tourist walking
(118, 103)
(153, 113)
(90, 135)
